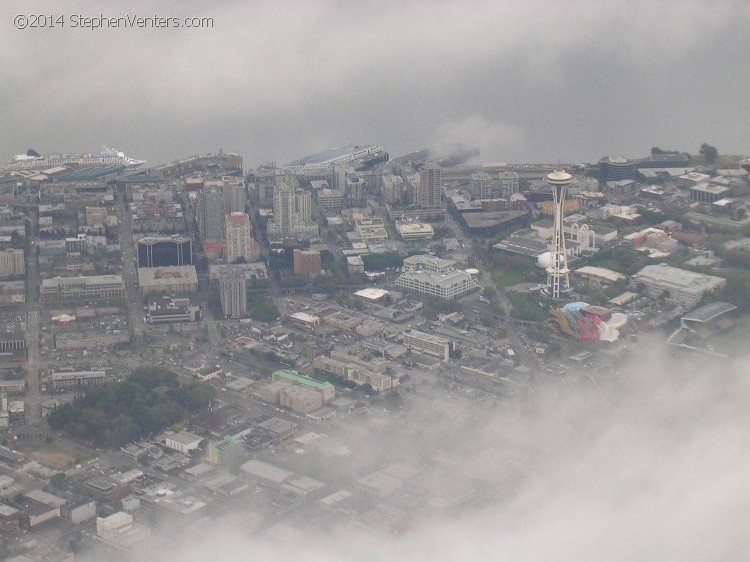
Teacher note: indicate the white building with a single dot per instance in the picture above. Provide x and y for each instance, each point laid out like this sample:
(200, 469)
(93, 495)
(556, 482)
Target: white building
(371, 230)
(435, 277)
(679, 286)
(183, 441)
(292, 214)
(428, 263)
(427, 343)
(120, 529)
(414, 231)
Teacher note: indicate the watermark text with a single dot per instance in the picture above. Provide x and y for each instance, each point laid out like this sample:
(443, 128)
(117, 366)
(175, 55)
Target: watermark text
(100, 21)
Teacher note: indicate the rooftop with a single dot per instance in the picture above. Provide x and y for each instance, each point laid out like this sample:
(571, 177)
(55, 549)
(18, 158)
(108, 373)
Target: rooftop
(184, 438)
(371, 293)
(298, 378)
(679, 278)
(709, 312)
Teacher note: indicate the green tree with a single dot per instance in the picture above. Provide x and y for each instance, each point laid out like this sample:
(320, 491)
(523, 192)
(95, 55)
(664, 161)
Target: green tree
(710, 153)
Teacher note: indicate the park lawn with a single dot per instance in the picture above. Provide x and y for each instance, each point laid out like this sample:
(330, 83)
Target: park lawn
(507, 277)
(55, 455)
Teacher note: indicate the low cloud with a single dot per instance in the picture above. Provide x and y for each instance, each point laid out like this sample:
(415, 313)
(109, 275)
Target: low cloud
(647, 464)
(494, 139)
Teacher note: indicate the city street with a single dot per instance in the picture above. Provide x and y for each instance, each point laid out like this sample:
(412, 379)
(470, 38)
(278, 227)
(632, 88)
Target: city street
(33, 411)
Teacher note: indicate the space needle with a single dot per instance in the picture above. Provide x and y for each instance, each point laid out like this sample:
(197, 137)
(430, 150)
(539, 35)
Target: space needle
(558, 274)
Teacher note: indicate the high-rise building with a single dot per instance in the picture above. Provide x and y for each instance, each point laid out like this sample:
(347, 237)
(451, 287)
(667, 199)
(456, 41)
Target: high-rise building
(481, 185)
(283, 210)
(234, 194)
(233, 294)
(307, 263)
(509, 183)
(210, 213)
(303, 207)
(430, 187)
(163, 251)
(292, 211)
(239, 234)
(354, 191)
(392, 187)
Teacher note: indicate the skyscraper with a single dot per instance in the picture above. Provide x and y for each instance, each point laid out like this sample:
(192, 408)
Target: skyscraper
(509, 183)
(234, 194)
(283, 210)
(481, 185)
(292, 210)
(239, 235)
(210, 213)
(233, 294)
(430, 187)
(303, 207)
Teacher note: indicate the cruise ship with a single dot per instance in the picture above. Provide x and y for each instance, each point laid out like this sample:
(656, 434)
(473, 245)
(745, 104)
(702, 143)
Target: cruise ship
(32, 160)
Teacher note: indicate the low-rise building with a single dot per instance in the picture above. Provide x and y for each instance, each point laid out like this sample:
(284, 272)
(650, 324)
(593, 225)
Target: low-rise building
(304, 320)
(39, 507)
(428, 343)
(78, 379)
(94, 287)
(325, 389)
(301, 399)
(414, 231)
(173, 279)
(120, 530)
(678, 286)
(79, 511)
(183, 442)
(12, 263)
(355, 264)
(446, 286)
(225, 451)
(170, 309)
(371, 230)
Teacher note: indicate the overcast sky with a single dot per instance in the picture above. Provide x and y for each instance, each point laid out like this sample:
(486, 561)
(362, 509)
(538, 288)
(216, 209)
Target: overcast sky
(522, 80)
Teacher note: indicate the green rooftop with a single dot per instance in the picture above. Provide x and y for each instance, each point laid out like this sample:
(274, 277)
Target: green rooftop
(299, 378)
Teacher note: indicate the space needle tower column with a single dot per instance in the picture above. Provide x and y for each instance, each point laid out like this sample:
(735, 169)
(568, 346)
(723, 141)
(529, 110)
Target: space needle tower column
(558, 274)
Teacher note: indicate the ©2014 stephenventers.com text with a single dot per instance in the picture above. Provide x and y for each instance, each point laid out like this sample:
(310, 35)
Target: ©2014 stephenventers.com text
(100, 21)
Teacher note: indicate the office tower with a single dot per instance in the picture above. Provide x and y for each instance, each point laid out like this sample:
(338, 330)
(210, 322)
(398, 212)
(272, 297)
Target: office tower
(234, 194)
(210, 213)
(509, 183)
(239, 235)
(163, 251)
(430, 187)
(303, 207)
(233, 294)
(481, 185)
